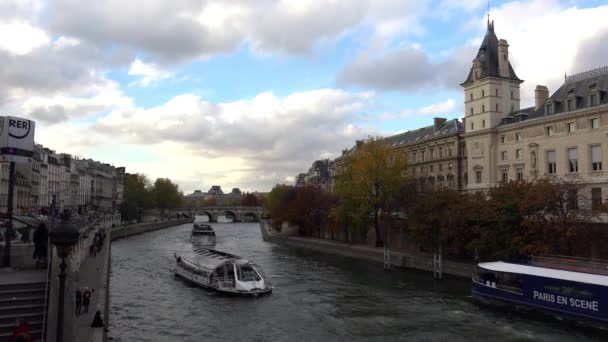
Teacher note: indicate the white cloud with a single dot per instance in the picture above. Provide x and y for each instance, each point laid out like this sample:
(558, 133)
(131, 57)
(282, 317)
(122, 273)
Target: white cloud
(21, 38)
(434, 109)
(181, 30)
(150, 73)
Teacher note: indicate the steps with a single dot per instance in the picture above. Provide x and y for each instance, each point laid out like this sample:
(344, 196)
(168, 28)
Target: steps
(22, 301)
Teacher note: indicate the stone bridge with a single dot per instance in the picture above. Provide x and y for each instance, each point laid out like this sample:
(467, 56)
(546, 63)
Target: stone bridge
(237, 213)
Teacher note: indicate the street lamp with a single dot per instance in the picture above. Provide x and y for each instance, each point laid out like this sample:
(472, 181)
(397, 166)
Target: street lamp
(64, 235)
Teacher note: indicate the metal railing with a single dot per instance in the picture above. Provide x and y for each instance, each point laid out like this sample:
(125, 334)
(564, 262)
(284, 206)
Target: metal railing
(575, 264)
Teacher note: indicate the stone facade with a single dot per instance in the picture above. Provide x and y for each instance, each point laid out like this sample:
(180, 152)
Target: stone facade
(563, 135)
(78, 184)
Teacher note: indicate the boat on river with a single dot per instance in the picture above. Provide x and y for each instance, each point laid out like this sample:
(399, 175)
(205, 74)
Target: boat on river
(222, 272)
(571, 288)
(202, 234)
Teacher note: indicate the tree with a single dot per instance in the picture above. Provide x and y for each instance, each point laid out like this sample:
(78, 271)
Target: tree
(278, 203)
(250, 200)
(137, 196)
(373, 176)
(166, 194)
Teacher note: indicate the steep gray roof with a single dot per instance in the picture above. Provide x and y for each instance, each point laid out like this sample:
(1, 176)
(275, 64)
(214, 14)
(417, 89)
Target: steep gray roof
(578, 87)
(488, 57)
(449, 127)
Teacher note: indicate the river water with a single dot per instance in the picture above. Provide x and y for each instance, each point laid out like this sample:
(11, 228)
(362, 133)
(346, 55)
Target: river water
(316, 298)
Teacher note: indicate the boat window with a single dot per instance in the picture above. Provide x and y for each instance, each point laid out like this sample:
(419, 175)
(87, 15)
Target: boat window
(247, 273)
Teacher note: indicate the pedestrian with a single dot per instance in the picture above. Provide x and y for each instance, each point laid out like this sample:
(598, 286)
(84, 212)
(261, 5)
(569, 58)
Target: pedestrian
(21, 332)
(97, 320)
(78, 301)
(41, 237)
(86, 299)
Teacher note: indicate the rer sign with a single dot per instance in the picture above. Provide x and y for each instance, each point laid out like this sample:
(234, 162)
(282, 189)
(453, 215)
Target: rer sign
(16, 139)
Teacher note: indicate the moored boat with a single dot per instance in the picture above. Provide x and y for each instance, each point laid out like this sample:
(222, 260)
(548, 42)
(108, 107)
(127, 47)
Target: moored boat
(222, 272)
(565, 287)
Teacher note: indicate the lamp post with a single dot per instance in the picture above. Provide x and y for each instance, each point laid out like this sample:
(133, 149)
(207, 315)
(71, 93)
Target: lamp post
(64, 235)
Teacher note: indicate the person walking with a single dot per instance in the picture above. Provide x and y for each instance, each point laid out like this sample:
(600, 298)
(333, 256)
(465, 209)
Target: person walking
(86, 299)
(97, 320)
(41, 237)
(78, 301)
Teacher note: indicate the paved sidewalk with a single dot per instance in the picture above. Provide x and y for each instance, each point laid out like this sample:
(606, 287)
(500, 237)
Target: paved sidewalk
(92, 274)
(12, 276)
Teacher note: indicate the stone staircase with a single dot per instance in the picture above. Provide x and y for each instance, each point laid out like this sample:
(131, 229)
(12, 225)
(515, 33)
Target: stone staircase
(22, 300)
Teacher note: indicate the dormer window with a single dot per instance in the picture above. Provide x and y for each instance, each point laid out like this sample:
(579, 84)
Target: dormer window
(570, 104)
(549, 109)
(594, 99)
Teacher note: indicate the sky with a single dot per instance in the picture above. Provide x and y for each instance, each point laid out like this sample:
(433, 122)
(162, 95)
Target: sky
(248, 94)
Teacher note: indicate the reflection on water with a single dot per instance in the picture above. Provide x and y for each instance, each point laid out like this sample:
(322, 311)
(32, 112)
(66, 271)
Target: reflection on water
(316, 298)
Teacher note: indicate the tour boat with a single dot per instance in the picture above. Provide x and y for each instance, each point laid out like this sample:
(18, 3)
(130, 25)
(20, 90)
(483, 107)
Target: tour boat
(572, 288)
(201, 230)
(222, 272)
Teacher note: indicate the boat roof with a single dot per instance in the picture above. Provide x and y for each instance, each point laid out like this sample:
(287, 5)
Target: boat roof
(209, 258)
(589, 278)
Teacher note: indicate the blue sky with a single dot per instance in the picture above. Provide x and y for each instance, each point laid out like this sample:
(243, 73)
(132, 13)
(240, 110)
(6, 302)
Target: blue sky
(249, 93)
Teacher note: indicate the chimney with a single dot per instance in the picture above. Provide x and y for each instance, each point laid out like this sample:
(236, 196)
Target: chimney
(503, 58)
(438, 122)
(541, 95)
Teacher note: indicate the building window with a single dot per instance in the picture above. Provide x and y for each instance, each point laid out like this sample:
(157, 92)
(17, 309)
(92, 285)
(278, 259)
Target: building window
(440, 167)
(432, 153)
(596, 198)
(593, 100)
(572, 160)
(503, 155)
(571, 126)
(596, 158)
(511, 94)
(471, 96)
(496, 91)
(504, 176)
(497, 107)
(450, 148)
(551, 163)
(594, 123)
(483, 123)
(450, 166)
(572, 199)
(570, 104)
(451, 181)
(519, 136)
(549, 108)
(520, 173)
(483, 109)
(512, 108)
(471, 125)
(414, 157)
(478, 177)
(440, 152)
(471, 110)
(431, 168)
(503, 138)
(550, 131)
(483, 93)
(519, 154)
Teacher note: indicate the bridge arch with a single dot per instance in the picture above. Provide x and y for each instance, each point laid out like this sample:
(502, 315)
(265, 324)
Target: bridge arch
(250, 216)
(209, 214)
(231, 214)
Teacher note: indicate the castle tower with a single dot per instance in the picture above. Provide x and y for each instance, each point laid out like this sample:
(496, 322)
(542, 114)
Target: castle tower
(492, 88)
(491, 92)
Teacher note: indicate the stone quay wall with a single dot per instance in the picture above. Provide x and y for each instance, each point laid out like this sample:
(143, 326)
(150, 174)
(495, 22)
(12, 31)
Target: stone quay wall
(398, 259)
(133, 229)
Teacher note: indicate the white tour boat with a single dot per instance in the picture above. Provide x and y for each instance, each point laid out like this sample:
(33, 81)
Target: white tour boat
(202, 234)
(222, 272)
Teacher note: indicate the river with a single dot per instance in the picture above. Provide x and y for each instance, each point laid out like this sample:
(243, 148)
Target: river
(316, 298)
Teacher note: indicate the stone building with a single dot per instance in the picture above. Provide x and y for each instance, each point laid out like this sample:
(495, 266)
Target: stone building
(562, 135)
(435, 154)
(318, 176)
